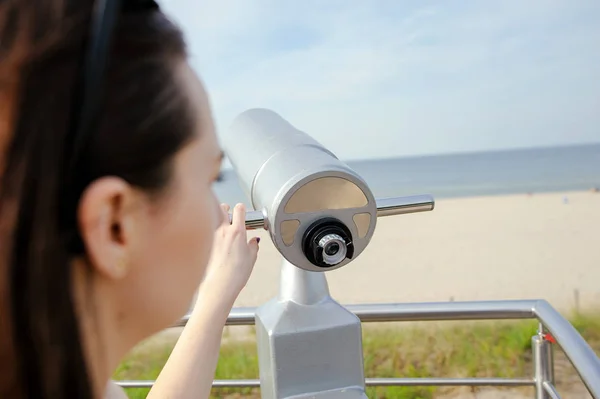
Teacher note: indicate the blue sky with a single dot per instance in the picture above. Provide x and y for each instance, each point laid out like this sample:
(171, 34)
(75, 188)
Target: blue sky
(384, 78)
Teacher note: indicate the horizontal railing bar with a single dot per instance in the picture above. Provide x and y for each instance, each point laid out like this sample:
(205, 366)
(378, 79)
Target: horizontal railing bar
(216, 384)
(428, 311)
(581, 355)
(473, 382)
(373, 382)
(549, 388)
(438, 311)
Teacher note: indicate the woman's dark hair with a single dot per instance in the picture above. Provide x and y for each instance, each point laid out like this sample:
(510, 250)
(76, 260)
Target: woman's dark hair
(145, 118)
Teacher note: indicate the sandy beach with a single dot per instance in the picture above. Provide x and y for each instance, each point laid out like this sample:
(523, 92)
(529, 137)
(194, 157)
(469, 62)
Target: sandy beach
(507, 247)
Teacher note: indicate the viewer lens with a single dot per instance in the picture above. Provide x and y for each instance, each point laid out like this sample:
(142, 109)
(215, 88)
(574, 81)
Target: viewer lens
(332, 249)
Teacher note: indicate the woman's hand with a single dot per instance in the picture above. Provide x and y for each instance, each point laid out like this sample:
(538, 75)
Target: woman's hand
(233, 255)
(194, 358)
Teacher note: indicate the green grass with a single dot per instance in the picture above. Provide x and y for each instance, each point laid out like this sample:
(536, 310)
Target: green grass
(471, 349)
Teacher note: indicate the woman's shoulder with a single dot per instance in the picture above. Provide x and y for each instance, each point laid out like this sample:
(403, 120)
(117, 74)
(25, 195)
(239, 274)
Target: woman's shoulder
(113, 391)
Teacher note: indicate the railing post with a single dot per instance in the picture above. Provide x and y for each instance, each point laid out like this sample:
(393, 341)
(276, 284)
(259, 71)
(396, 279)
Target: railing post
(543, 363)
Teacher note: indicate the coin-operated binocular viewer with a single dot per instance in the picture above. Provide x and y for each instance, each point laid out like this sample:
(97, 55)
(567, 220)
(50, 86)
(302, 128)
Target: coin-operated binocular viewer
(320, 215)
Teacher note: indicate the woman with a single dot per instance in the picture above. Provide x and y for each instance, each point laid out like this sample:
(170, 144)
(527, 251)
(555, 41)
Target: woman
(105, 243)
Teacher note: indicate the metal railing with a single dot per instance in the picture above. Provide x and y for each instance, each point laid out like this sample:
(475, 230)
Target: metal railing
(553, 328)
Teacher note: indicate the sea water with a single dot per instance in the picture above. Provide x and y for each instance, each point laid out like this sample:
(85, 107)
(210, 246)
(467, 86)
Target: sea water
(531, 170)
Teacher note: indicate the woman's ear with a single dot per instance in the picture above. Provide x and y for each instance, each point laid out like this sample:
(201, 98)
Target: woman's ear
(106, 223)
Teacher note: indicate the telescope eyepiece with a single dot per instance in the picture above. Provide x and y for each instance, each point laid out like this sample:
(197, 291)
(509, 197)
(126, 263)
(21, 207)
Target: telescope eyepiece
(334, 249)
(327, 243)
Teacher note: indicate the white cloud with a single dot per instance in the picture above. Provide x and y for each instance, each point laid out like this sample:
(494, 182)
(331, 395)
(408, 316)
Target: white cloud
(386, 78)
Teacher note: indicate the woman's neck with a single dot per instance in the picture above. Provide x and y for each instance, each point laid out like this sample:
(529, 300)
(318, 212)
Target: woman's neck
(105, 341)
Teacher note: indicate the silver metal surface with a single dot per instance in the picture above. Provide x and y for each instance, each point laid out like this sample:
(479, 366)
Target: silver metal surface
(437, 311)
(385, 207)
(432, 311)
(578, 351)
(404, 205)
(450, 382)
(308, 344)
(373, 382)
(552, 392)
(543, 365)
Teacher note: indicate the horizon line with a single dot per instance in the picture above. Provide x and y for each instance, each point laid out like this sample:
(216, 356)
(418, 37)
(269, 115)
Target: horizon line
(468, 152)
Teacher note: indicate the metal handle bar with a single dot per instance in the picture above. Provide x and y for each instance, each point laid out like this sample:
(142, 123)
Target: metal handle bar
(385, 207)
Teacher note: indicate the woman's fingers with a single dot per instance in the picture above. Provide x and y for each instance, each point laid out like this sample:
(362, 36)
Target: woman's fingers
(233, 256)
(238, 219)
(225, 214)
